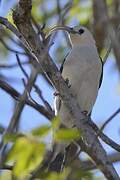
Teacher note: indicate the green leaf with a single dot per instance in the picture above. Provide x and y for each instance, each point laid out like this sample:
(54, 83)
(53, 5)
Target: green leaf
(9, 17)
(56, 122)
(27, 155)
(58, 176)
(67, 134)
(10, 137)
(41, 131)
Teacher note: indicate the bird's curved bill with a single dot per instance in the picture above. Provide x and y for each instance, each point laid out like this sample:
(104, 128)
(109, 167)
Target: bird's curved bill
(64, 28)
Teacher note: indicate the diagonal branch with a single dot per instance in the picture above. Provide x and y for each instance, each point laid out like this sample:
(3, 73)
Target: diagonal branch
(110, 119)
(89, 165)
(17, 113)
(21, 103)
(10, 49)
(86, 165)
(104, 137)
(14, 65)
(16, 95)
(50, 115)
(37, 89)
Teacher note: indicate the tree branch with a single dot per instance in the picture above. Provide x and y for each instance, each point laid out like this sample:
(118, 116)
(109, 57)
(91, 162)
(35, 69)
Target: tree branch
(17, 113)
(16, 95)
(20, 105)
(9, 66)
(89, 165)
(104, 22)
(110, 119)
(10, 49)
(37, 89)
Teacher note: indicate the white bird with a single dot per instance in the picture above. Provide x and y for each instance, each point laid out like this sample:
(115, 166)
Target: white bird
(83, 70)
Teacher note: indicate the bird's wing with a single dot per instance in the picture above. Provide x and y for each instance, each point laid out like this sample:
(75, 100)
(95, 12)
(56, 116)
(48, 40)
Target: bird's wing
(101, 78)
(62, 65)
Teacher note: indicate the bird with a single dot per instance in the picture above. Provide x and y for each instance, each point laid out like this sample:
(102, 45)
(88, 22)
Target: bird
(82, 70)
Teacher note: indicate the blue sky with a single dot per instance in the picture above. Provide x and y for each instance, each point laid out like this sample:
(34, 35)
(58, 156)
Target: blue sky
(107, 102)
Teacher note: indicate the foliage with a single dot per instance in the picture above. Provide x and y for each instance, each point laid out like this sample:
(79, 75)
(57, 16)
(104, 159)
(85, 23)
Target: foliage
(28, 150)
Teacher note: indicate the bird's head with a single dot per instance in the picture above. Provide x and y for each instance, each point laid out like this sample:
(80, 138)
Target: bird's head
(78, 34)
(81, 35)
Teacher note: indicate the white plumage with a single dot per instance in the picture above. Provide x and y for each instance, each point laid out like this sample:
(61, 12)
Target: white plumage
(83, 69)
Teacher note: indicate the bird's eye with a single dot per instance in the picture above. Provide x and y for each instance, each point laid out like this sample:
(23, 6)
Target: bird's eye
(81, 31)
(71, 29)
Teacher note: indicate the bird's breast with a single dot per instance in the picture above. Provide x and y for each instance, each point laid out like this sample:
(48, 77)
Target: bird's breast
(83, 70)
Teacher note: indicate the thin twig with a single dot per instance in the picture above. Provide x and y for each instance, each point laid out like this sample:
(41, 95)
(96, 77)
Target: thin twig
(15, 65)
(18, 110)
(39, 28)
(86, 165)
(20, 104)
(25, 44)
(16, 95)
(10, 49)
(89, 165)
(61, 15)
(37, 89)
(110, 119)
(21, 67)
(104, 137)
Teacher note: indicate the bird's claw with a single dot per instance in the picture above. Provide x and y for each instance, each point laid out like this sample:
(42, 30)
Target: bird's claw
(67, 82)
(85, 113)
(87, 119)
(56, 93)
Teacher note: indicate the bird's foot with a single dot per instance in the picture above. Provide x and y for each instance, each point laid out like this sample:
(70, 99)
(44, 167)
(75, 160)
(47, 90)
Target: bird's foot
(85, 113)
(87, 117)
(56, 93)
(67, 82)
